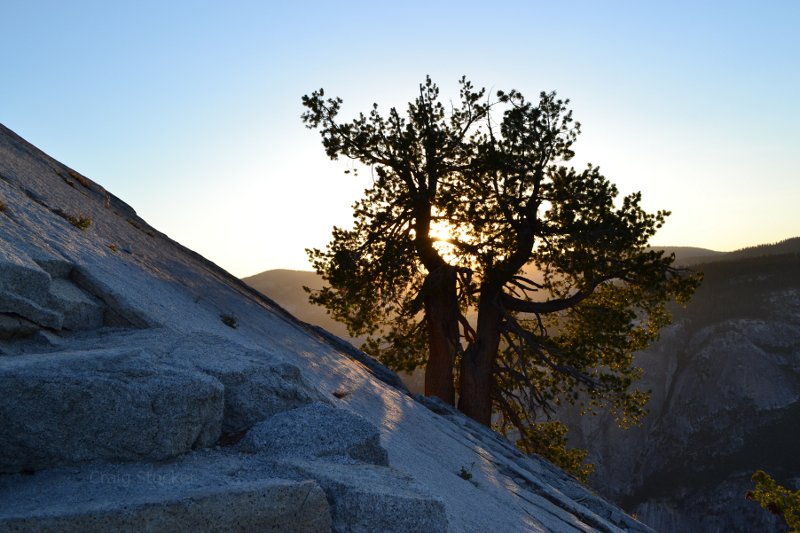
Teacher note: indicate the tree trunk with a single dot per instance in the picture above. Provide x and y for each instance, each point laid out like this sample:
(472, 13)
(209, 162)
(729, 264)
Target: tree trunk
(475, 398)
(441, 315)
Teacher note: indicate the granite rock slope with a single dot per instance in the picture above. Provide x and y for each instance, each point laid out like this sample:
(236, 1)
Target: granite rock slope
(146, 388)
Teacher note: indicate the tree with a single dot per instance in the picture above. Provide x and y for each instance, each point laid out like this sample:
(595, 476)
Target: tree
(493, 171)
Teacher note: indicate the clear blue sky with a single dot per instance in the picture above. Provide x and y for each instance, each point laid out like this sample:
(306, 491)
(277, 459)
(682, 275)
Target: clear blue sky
(189, 110)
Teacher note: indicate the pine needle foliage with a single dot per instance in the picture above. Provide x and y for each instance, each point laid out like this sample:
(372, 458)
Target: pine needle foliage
(545, 285)
(776, 499)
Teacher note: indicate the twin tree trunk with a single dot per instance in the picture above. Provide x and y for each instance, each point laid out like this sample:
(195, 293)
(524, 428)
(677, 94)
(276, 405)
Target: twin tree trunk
(442, 315)
(475, 398)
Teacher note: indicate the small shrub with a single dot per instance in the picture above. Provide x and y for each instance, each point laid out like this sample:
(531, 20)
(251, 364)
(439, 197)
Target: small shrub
(549, 439)
(776, 499)
(466, 474)
(80, 179)
(3, 206)
(113, 247)
(75, 176)
(82, 222)
(230, 320)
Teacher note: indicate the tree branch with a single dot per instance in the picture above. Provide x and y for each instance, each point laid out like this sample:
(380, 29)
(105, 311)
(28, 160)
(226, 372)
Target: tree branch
(551, 306)
(535, 346)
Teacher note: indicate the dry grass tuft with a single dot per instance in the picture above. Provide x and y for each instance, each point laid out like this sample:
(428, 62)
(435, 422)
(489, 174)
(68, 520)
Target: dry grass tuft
(82, 222)
(80, 179)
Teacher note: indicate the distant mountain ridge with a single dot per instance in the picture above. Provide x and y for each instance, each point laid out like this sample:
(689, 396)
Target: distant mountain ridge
(786, 246)
(687, 255)
(690, 255)
(286, 286)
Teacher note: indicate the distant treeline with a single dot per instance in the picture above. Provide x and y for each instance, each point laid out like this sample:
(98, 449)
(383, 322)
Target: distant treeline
(787, 246)
(743, 287)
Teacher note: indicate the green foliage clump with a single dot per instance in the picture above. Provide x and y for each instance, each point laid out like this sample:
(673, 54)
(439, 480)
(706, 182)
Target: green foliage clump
(549, 439)
(82, 222)
(776, 499)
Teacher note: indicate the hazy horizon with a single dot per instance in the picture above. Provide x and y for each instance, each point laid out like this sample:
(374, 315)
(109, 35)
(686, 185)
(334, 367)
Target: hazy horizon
(190, 111)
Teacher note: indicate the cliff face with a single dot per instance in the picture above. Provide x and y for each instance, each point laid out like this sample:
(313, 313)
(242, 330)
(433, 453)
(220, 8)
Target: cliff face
(725, 381)
(144, 386)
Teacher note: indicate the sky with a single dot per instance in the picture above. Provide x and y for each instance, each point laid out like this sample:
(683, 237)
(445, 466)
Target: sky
(190, 110)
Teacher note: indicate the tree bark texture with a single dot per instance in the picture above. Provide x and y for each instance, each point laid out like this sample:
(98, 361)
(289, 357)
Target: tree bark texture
(441, 315)
(475, 398)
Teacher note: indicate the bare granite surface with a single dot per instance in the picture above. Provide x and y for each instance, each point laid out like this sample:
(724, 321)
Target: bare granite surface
(134, 371)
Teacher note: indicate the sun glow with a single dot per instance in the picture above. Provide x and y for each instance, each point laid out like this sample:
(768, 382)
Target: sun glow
(445, 236)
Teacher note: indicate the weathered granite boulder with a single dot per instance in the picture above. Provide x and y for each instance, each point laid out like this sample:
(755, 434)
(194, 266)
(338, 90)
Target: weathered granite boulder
(317, 430)
(12, 326)
(115, 404)
(81, 310)
(366, 498)
(40, 294)
(255, 390)
(24, 289)
(342, 452)
(160, 498)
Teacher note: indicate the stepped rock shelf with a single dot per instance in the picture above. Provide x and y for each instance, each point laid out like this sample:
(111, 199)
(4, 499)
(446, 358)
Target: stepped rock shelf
(130, 404)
